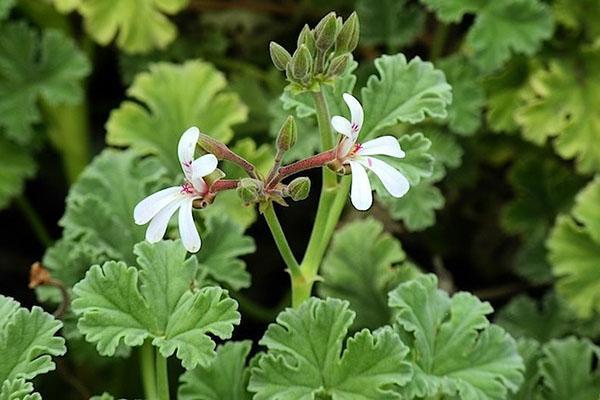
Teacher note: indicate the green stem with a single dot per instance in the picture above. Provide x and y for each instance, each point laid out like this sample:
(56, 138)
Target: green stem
(439, 41)
(324, 120)
(34, 220)
(147, 367)
(162, 377)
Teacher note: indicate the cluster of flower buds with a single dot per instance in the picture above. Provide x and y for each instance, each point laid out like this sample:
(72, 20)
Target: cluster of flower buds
(322, 53)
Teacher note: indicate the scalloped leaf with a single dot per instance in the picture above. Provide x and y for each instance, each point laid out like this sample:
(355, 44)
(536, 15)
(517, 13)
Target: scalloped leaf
(305, 357)
(36, 67)
(27, 343)
(453, 10)
(167, 100)
(454, 349)
(117, 304)
(403, 92)
(16, 165)
(18, 389)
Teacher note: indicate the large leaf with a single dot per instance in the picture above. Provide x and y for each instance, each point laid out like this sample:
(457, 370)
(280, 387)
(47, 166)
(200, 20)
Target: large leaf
(305, 359)
(119, 304)
(166, 101)
(561, 101)
(35, 67)
(574, 245)
(16, 165)
(27, 342)
(100, 204)
(454, 349)
(403, 92)
(138, 25)
(453, 10)
(18, 389)
(391, 23)
(225, 378)
(5, 7)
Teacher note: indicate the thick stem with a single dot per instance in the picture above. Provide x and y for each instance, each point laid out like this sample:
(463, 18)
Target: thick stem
(35, 222)
(282, 243)
(224, 184)
(147, 368)
(316, 161)
(162, 377)
(439, 40)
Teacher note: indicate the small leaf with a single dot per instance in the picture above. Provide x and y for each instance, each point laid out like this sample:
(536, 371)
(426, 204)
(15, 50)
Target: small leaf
(403, 92)
(16, 165)
(18, 389)
(453, 10)
(119, 304)
(417, 208)
(36, 67)
(169, 99)
(305, 357)
(454, 349)
(27, 342)
(225, 378)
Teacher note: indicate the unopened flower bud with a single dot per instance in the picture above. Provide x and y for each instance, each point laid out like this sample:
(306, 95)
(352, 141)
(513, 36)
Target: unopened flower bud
(338, 65)
(298, 189)
(249, 190)
(213, 146)
(307, 38)
(347, 39)
(301, 63)
(326, 32)
(280, 56)
(287, 134)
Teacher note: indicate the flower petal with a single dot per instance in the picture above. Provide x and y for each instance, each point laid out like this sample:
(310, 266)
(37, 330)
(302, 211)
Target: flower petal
(356, 110)
(187, 228)
(186, 148)
(360, 193)
(204, 165)
(146, 209)
(385, 146)
(343, 126)
(392, 179)
(158, 226)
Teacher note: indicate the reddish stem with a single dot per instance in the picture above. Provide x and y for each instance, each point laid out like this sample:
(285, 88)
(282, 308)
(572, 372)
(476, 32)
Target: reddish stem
(316, 161)
(224, 184)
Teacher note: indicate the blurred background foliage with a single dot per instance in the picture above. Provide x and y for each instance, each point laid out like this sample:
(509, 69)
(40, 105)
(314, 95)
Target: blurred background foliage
(505, 203)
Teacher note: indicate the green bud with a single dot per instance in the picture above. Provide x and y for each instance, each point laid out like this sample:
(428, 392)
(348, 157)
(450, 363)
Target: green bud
(338, 65)
(307, 38)
(213, 146)
(301, 63)
(249, 190)
(279, 56)
(347, 40)
(326, 32)
(298, 189)
(287, 134)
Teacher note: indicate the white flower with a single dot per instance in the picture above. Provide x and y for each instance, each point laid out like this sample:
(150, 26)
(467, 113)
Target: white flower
(358, 156)
(159, 207)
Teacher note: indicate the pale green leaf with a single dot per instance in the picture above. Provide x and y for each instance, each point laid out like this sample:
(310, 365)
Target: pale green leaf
(222, 245)
(361, 266)
(100, 204)
(229, 203)
(65, 6)
(574, 246)
(531, 353)
(5, 7)
(36, 67)
(225, 378)
(567, 370)
(417, 208)
(305, 359)
(169, 99)
(261, 157)
(503, 28)
(27, 341)
(18, 389)
(403, 92)
(418, 163)
(453, 10)
(391, 23)
(454, 349)
(119, 304)
(16, 165)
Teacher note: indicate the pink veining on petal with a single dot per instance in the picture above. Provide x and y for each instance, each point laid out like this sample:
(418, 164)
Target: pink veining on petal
(370, 161)
(354, 127)
(187, 167)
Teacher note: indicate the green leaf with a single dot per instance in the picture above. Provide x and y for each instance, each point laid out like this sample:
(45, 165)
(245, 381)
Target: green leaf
(403, 92)
(531, 353)
(16, 165)
(18, 389)
(561, 101)
(309, 141)
(579, 17)
(417, 208)
(36, 68)
(225, 378)
(418, 163)
(166, 101)
(119, 304)
(453, 10)
(229, 203)
(27, 341)
(100, 204)
(305, 357)
(5, 7)
(138, 25)
(454, 349)
(566, 370)
(574, 246)
(260, 156)
(468, 96)
(223, 243)
(361, 266)
(497, 34)
(391, 23)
